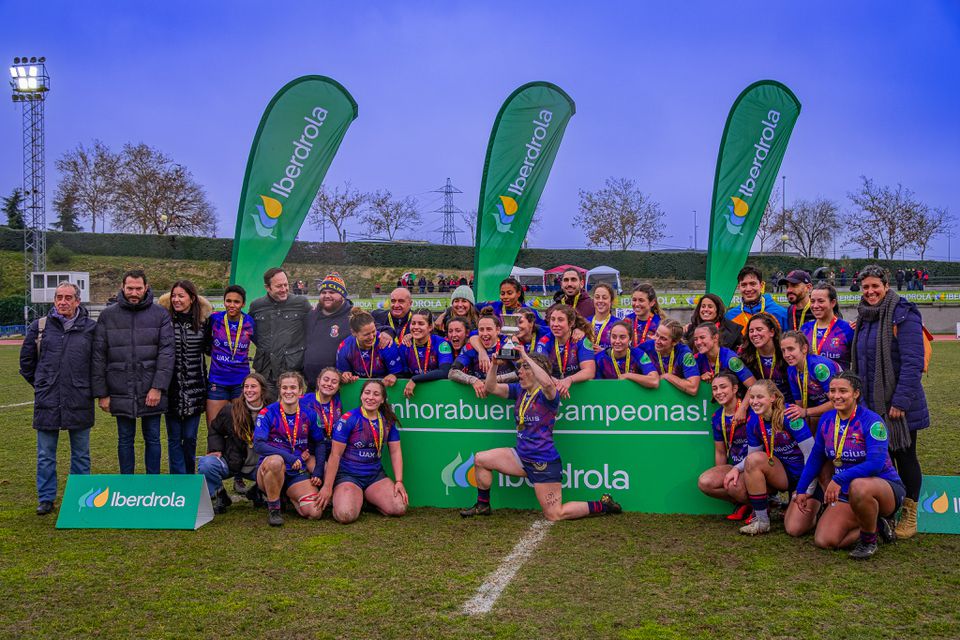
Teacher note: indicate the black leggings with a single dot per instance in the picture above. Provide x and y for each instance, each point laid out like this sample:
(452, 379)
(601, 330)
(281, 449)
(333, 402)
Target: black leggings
(908, 466)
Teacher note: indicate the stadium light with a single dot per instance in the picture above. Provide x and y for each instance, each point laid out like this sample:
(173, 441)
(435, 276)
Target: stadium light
(29, 76)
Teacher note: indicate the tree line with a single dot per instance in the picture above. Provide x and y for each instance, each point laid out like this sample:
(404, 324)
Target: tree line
(140, 189)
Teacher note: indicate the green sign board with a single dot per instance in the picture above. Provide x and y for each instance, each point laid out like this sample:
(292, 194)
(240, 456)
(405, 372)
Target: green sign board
(645, 447)
(938, 510)
(135, 502)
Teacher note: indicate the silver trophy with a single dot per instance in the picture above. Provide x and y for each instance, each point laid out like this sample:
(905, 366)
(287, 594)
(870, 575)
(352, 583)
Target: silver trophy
(510, 328)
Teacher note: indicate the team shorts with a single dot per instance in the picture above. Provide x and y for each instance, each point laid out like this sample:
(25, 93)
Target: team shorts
(361, 480)
(290, 478)
(224, 391)
(541, 472)
(899, 493)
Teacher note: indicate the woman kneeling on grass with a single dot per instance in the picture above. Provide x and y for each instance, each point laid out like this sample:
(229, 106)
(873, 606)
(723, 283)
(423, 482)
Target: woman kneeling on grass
(355, 470)
(230, 442)
(721, 481)
(292, 449)
(850, 446)
(777, 450)
(535, 457)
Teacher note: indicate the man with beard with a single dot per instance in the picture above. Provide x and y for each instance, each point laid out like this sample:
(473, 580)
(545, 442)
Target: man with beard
(571, 293)
(327, 326)
(798, 285)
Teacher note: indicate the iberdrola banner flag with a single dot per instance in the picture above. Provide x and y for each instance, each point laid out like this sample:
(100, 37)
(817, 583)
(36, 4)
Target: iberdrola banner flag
(523, 145)
(299, 134)
(751, 150)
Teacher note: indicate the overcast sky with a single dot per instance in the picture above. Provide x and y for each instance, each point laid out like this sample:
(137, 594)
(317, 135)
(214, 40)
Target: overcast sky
(652, 82)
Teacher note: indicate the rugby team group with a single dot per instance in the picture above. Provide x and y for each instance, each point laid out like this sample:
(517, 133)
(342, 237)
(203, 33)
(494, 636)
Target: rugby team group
(822, 408)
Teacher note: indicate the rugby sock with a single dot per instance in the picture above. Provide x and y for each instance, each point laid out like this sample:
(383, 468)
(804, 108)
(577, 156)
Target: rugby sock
(483, 496)
(759, 504)
(596, 506)
(273, 504)
(868, 538)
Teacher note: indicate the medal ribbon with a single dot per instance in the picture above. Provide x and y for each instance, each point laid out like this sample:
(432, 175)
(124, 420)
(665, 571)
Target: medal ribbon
(230, 343)
(767, 440)
(295, 435)
(373, 354)
(803, 316)
(602, 327)
(804, 390)
(426, 356)
(566, 355)
(818, 344)
(838, 444)
(377, 435)
(525, 403)
(723, 422)
(669, 369)
(327, 420)
(616, 367)
(403, 331)
(773, 365)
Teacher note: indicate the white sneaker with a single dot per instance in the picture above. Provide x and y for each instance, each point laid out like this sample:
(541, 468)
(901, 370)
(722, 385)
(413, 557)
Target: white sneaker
(756, 527)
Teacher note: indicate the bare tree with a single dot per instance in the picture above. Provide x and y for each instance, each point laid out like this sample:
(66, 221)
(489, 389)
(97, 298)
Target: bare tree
(810, 226)
(771, 223)
(385, 216)
(152, 194)
(928, 224)
(469, 219)
(89, 176)
(619, 216)
(884, 218)
(338, 207)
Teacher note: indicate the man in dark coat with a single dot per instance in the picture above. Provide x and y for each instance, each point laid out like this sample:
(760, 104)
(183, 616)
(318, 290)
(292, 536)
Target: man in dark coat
(55, 359)
(394, 320)
(327, 326)
(278, 327)
(132, 366)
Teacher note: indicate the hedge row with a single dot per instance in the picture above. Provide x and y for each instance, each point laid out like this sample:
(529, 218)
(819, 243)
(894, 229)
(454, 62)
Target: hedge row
(680, 265)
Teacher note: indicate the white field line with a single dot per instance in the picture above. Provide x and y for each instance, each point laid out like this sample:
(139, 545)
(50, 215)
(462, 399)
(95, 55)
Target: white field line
(496, 582)
(18, 404)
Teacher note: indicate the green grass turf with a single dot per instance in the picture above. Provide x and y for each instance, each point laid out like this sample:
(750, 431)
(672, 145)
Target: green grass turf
(632, 576)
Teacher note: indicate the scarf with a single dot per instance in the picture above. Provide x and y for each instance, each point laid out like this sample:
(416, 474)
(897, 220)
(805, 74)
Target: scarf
(884, 377)
(65, 321)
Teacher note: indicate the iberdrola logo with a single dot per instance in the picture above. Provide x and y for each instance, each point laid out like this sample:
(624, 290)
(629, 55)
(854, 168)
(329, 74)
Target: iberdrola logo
(506, 209)
(737, 216)
(269, 214)
(94, 498)
(459, 474)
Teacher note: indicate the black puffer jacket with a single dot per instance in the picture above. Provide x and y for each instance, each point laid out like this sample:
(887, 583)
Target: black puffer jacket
(61, 375)
(187, 394)
(222, 438)
(132, 353)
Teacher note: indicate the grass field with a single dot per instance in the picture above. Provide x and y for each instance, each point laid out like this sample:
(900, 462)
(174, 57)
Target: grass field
(632, 576)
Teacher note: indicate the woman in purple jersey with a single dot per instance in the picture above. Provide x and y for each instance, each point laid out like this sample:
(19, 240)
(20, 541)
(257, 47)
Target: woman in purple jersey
(466, 369)
(850, 457)
(809, 377)
(646, 314)
(428, 357)
(777, 449)
(623, 362)
(603, 319)
(829, 335)
(572, 359)
(722, 480)
(227, 337)
(535, 457)
(355, 471)
(456, 335)
(363, 354)
(762, 355)
(674, 361)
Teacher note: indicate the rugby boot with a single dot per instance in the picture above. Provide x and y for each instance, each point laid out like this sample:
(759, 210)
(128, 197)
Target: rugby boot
(478, 509)
(885, 530)
(756, 527)
(275, 518)
(742, 512)
(907, 525)
(863, 550)
(609, 504)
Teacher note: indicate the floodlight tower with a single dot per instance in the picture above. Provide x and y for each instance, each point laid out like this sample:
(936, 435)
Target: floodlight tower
(449, 228)
(30, 83)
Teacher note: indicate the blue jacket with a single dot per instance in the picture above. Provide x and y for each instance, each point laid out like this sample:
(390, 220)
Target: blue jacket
(907, 358)
(60, 377)
(736, 313)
